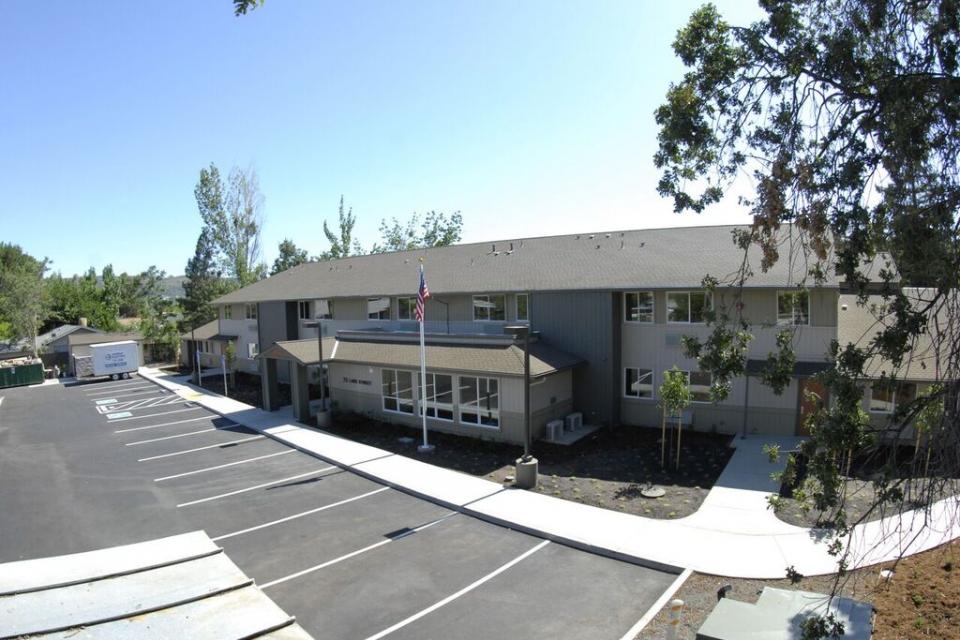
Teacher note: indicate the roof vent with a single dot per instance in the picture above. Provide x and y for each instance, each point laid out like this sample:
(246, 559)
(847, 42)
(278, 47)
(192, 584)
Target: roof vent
(606, 235)
(592, 236)
(621, 245)
(511, 246)
(493, 248)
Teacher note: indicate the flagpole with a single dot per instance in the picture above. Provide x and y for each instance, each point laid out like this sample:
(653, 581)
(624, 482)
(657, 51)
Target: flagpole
(426, 446)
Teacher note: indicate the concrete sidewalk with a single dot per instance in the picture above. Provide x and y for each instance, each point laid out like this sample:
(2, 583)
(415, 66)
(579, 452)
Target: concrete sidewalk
(732, 534)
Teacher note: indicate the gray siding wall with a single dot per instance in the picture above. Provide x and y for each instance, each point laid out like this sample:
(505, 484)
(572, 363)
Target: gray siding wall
(584, 323)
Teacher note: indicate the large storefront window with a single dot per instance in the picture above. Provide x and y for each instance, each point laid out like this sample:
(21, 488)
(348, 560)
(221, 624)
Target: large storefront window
(438, 398)
(397, 391)
(479, 401)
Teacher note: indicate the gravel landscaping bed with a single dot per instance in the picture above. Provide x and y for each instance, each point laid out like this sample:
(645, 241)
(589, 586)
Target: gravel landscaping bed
(607, 469)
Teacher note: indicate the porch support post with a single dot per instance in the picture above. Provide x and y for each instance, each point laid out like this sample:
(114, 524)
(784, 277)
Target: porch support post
(746, 407)
(300, 392)
(269, 384)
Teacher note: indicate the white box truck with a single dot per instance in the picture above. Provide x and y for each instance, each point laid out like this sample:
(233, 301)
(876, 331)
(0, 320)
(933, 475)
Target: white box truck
(114, 359)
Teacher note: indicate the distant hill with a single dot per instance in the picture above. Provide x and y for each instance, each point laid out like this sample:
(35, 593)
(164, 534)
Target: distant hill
(173, 286)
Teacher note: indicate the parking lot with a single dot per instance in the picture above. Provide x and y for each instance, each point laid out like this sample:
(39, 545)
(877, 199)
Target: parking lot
(95, 465)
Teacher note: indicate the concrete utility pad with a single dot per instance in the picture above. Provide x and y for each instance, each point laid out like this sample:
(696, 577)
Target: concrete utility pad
(141, 591)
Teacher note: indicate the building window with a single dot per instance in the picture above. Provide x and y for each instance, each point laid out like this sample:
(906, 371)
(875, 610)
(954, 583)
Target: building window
(438, 398)
(324, 309)
(253, 349)
(886, 396)
(793, 308)
(250, 311)
(638, 383)
(523, 307)
(638, 306)
(397, 391)
(405, 308)
(688, 306)
(479, 401)
(303, 309)
(228, 312)
(489, 307)
(700, 382)
(378, 308)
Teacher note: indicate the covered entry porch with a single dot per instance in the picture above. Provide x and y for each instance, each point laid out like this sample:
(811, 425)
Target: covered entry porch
(302, 360)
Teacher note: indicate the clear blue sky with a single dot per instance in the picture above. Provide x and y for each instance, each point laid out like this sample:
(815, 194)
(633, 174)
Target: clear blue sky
(530, 117)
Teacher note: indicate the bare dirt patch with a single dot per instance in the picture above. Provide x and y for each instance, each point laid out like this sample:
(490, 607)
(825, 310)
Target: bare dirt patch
(608, 469)
(921, 601)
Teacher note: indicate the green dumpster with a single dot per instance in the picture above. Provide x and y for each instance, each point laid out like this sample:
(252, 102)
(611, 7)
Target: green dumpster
(20, 375)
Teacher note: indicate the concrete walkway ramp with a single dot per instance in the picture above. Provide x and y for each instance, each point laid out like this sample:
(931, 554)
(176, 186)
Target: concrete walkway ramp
(180, 586)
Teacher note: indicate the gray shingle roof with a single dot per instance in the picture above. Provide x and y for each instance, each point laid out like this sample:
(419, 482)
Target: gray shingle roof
(500, 359)
(649, 258)
(97, 338)
(208, 331)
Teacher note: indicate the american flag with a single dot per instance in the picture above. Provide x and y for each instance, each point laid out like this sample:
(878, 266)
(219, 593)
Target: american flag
(422, 296)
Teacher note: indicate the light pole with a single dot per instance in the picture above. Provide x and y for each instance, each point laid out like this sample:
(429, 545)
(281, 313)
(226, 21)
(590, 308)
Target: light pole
(526, 466)
(322, 416)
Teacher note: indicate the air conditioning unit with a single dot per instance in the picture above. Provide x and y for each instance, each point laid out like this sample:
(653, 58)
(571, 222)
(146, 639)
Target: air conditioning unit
(574, 421)
(554, 430)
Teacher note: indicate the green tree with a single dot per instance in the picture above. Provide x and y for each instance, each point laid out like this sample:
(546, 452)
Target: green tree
(22, 299)
(240, 7)
(232, 213)
(435, 230)
(845, 114)
(675, 396)
(204, 283)
(290, 256)
(342, 243)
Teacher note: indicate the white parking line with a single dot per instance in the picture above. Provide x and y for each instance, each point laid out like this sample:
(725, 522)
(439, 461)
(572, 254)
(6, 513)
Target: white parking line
(117, 398)
(167, 424)
(255, 487)
(223, 466)
(149, 403)
(154, 415)
(299, 515)
(454, 596)
(179, 435)
(352, 554)
(125, 394)
(211, 446)
(124, 387)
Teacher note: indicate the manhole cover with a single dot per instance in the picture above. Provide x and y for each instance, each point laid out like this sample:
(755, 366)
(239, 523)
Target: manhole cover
(652, 492)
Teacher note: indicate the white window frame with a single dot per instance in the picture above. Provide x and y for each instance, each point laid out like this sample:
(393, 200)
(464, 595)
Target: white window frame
(637, 396)
(428, 401)
(379, 315)
(250, 311)
(486, 297)
(411, 306)
(478, 411)
(228, 312)
(708, 299)
(894, 396)
(627, 309)
(396, 397)
(516, 307)
(253, 350)
(303, 309)
(792, 321)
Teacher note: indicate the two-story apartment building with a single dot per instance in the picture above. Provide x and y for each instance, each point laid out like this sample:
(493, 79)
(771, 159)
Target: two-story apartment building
(616, 304)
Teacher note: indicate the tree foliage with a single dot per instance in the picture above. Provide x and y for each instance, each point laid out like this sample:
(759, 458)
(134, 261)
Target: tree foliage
(241, 7)
(232, 214)
(22, 299)
(290, 256)
(103, 300)
(844, 115)
(204, 283)
(342, 242)
(435, 230)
